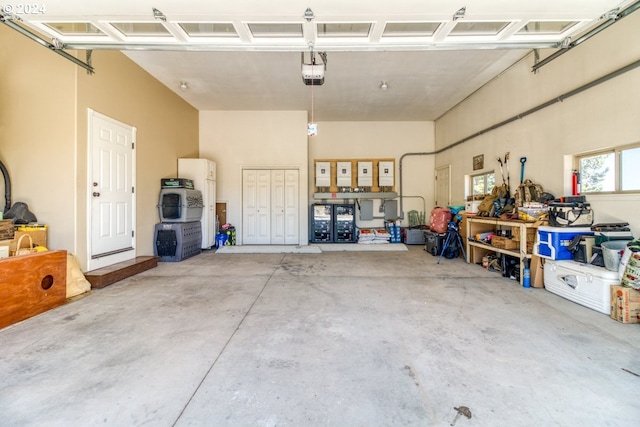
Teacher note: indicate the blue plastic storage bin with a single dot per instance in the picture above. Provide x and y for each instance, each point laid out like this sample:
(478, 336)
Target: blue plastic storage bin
(552, 242)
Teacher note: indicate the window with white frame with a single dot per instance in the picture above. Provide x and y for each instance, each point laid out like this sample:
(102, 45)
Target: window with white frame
(610, 171)
(482, 184)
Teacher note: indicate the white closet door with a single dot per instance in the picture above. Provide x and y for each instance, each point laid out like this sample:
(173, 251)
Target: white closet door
(255, 207)
(249, 209)
(277, 207)
(291, 208)
(264, 207)
(270, 207)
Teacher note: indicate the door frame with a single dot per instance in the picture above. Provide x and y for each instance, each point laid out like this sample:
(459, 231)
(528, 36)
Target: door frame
(107, 260)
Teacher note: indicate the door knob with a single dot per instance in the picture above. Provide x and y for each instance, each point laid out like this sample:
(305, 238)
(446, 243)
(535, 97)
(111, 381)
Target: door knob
(96, 194)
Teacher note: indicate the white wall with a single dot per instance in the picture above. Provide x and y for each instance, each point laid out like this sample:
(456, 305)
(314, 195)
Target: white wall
(247, 139)
(238, 140)
(601, 117)
(353, 140)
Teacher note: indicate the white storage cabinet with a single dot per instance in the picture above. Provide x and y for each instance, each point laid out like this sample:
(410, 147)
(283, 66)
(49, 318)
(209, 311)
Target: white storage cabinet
(203, 174)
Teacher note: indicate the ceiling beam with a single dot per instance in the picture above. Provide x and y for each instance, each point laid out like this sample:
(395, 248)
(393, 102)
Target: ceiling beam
(346, 47)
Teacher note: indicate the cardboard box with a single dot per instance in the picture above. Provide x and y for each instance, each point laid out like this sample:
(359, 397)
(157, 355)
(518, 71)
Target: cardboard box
(38, 233)
(504, 243)
(536, 268)
(625, 304)
(6, 229)
(531, 233)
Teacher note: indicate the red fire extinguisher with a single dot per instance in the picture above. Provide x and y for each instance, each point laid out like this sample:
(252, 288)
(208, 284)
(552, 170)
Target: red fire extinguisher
(575, 183)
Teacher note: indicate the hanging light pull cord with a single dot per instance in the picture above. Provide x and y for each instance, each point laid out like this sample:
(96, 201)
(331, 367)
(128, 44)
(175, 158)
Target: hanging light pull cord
(313, 63)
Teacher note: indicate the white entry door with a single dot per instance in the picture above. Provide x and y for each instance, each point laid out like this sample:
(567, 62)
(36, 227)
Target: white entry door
(111, 191)
(270, 207)
(443, 187)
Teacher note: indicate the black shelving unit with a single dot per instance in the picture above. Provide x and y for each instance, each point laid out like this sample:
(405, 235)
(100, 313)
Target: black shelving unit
(344, 223)
(332, 222)
(321, 218)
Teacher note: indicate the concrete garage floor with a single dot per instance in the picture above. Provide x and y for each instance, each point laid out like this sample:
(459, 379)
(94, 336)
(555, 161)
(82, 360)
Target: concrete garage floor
(330, 339)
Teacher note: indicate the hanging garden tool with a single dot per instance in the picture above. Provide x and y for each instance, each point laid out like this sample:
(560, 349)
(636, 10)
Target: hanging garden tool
(506, 162)
(523, 160)
(502, 171)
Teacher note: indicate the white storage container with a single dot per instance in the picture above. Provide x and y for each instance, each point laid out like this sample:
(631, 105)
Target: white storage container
(585, 284)
(472, 206)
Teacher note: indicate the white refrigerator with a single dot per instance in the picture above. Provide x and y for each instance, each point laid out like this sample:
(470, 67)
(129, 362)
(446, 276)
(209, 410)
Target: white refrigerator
(203, 174)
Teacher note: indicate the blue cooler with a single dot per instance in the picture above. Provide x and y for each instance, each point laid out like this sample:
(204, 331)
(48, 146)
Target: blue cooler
(552, 242)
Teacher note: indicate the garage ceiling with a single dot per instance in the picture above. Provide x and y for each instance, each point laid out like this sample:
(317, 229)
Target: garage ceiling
(247, 55)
